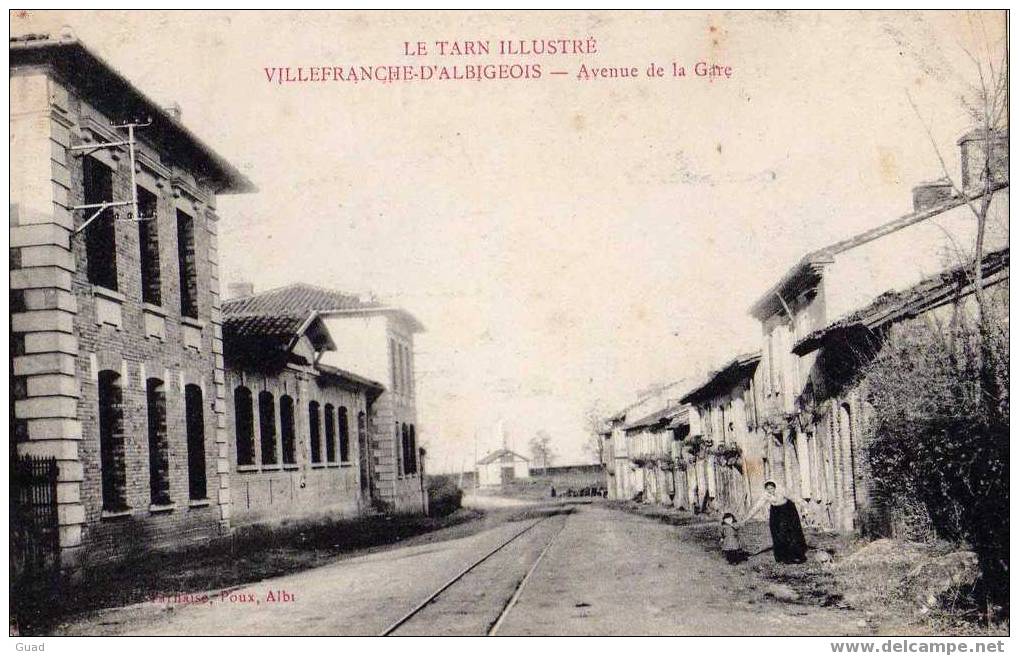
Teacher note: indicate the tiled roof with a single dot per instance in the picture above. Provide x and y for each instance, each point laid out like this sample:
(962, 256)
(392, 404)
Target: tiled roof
(259, 337)
(662, 417)
(809, 264)
(897, 305)
(497, 455)
(298, 298)
(643, 398)
(350, 376)
(262, 326)
(726, 376)
(301, 298)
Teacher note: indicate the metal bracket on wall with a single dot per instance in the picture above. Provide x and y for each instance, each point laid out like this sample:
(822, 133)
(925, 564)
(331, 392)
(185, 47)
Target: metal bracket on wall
(105, 205)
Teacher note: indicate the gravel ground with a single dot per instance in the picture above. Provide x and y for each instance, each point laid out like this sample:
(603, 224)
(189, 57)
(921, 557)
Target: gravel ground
(606, 573)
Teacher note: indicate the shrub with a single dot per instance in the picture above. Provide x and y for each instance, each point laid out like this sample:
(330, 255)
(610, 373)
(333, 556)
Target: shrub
(444, 496)
(940, 434)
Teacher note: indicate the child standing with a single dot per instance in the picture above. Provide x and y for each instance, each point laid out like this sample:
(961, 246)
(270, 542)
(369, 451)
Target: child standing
(732, 547)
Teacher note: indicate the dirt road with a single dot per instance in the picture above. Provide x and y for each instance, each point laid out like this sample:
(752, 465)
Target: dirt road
(601, 572)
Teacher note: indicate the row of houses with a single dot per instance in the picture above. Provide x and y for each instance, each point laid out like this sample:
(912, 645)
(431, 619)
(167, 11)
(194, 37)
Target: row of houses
(174, 413)
(794, 408)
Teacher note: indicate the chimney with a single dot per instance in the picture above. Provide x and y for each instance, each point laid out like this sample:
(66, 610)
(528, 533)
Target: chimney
(240, 290)
(974, 146)
(929, 194)
(175, 111)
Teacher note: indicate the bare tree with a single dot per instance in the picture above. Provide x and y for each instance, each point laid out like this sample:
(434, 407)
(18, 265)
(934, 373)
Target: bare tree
(594, 421)
(981, 462)
(541, 449)
(986, 103)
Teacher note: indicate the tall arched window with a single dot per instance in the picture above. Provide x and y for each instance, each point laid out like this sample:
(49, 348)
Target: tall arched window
(111, 441)
(194, 415)
(330, 422)
(413, 450)
(344, 432)
(244, 426)
(187, 264)
(846, 430)
(267, 427)
(405, 446)
(148, 244)
(287, 432)
(362, 452)
(101, 234)
(398, 448)
(159, 457)
(315, 432)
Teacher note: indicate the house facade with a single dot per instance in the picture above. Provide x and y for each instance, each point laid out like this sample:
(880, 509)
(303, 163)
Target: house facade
(117, 351)
(299, 429)
(846, 346)
(502, 466)
(795, 412)
(822, 445)
(656, 473)
(376, 341)
(627, 442)
(730, 458)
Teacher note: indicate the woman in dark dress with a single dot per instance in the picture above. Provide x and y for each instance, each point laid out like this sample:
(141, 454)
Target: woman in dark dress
(787, 538)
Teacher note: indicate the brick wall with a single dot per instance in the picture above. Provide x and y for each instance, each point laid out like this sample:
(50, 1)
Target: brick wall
(68, 330)
(275, 492)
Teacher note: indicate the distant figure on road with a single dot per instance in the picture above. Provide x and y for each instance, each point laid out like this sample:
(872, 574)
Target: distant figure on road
(732, 547)
(552, 491)
(787, 538)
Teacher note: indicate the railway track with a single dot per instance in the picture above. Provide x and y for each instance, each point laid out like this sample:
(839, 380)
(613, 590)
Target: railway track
(493, 625)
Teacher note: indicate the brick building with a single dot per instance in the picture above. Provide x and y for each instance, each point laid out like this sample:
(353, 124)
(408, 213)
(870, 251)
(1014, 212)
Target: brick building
(299, 428)
(840, 386)
(116, 335)
(377, 341)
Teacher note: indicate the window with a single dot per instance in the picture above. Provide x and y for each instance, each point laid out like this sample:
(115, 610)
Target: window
(111, 442)
(244, 426)
(412, 450)
(723, 432)
(330, 421)
(101, 234)
(405, 446)
(410, 371)
(848, 443)
(393, 366)
(148, 246)
(400, 368)
(267, 427)
(195, 423)
(362, 454)
(187, 262)
(159, 457)
(344, 432)
(315, 431)
(409, 377)
(287, 430)
(398, 449)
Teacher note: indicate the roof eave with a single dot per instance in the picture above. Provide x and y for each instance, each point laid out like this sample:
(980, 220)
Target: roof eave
(416, 326)
(229, 180)
(809, 264)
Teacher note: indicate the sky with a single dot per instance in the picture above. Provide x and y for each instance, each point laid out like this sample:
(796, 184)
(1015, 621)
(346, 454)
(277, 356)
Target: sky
(565, 242)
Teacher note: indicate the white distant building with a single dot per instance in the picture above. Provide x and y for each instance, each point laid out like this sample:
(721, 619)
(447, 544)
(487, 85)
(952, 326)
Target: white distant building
(501, 467)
